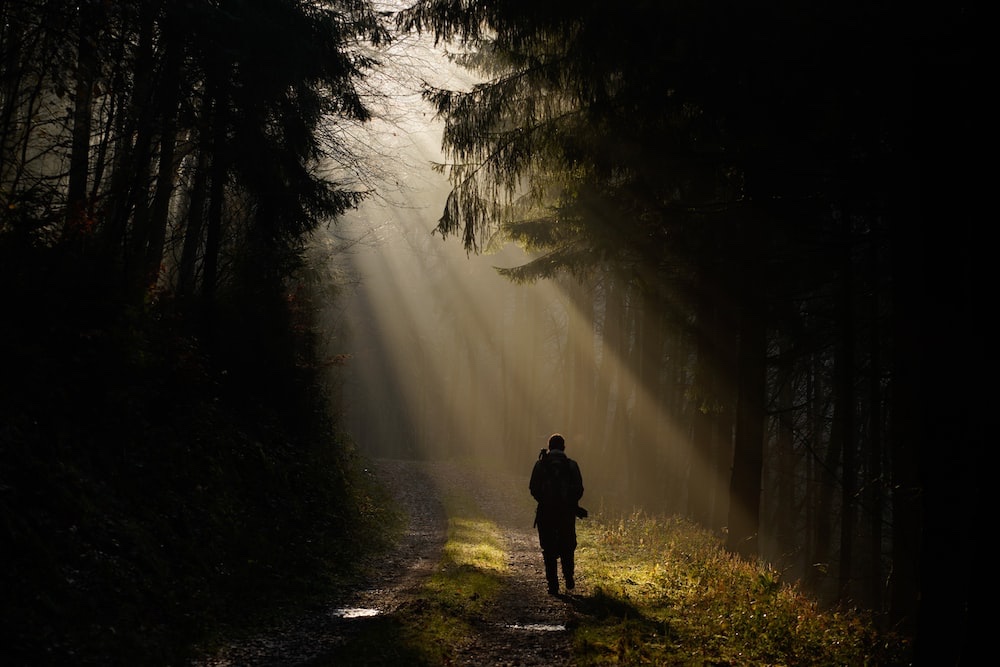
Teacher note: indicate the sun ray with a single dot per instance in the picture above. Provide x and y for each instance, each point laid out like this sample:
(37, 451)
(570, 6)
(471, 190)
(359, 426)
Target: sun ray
(450, 359)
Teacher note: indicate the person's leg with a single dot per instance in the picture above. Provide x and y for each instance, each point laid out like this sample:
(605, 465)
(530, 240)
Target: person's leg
(567, 549)
(551, 570)
(568, 569)
(548, 540)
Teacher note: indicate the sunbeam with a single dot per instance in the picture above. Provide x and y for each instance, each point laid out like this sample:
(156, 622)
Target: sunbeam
(449, 359)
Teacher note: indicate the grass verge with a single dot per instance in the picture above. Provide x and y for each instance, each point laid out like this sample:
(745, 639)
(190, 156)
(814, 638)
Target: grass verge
(657, 591)
(429, 629)
(665, 592)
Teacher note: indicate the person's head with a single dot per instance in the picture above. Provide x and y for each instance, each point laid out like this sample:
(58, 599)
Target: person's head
(556, 441)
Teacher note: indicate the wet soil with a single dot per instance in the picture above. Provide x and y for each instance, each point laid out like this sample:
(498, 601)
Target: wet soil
(525, 625)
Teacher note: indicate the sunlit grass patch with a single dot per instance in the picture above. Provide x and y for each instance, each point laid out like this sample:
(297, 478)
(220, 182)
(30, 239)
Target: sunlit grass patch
(429, 629)
(476, 543)
(666, 592)
(468, 579)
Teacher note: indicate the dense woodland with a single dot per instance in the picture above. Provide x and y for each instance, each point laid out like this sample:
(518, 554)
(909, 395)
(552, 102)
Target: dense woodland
(767, 208)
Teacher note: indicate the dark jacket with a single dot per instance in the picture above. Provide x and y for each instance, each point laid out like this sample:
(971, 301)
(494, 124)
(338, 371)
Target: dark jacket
(542, 489)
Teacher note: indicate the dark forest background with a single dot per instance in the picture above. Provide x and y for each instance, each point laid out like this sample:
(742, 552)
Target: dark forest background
(774, 205)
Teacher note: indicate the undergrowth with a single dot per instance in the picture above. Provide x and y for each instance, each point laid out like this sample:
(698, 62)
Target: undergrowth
(665, 592)
(157, 489)
(657, 591)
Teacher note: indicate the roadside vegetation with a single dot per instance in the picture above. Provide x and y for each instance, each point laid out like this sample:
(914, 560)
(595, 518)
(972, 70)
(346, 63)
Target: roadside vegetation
(660, 591)
(153, 495)
(169, 459)
(666, 592)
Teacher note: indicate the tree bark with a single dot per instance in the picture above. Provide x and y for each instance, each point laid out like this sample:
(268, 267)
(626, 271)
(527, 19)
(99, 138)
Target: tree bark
(874, 496)
(79, 161)
(785, 500)
(748, 454)
(843, 430)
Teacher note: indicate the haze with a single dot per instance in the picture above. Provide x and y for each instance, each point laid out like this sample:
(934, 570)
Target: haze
(446, 358)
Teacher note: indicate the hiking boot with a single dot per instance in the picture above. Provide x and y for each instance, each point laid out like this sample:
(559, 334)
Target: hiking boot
(568, 570)
(553, 589)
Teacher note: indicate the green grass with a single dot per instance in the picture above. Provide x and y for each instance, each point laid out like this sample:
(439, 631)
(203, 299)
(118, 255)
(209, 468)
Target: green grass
(658, 591)
(665, 592)
(428, 629)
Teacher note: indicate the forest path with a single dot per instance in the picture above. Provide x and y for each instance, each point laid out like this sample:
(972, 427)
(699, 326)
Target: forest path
(523, 626)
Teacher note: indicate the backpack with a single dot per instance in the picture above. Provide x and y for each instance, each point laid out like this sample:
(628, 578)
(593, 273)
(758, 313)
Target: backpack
(558, 481)
(558, 486)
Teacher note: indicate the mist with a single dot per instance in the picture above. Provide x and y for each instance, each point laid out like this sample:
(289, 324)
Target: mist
(444, 358)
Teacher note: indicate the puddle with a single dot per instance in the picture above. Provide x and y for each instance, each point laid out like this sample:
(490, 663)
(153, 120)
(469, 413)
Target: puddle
(354, 612)
(538, 627)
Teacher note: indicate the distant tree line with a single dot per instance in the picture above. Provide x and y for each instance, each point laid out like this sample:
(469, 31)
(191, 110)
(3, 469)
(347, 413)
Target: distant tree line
(769, 210)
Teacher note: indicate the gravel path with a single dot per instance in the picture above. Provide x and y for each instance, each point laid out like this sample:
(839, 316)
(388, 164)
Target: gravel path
(525, 626)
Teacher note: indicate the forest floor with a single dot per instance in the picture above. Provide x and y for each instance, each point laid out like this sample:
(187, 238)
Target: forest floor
(523, 626)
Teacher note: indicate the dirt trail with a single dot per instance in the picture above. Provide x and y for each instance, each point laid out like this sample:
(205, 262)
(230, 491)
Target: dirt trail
(524, 627)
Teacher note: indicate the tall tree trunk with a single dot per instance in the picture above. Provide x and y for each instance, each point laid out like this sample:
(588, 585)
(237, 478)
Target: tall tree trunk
(701, 494)
(510, 436)
(874, 496)
(785, 500)
(817, 493)
(655, 474)
(194, 226)
(217, 181)
(944, 297)
(13, 79)
(907, 390)
(825, 520)
(748, 455)
(726, 390)
(594, 381)
(86, 72)
(842, 431)
(115, 111)
(580, 343)
(167, 168)
(602, 391)
(618, 349)
(715, 338)
(134, 148)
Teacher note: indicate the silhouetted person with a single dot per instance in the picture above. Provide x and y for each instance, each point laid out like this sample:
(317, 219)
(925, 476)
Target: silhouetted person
(557, 485)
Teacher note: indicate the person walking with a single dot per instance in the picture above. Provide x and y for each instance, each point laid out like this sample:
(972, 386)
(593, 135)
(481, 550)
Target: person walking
(557, 484)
